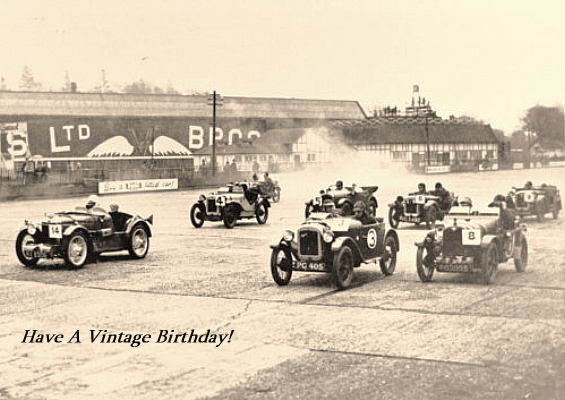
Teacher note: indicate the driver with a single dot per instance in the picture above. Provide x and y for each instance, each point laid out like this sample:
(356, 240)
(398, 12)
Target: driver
(421, 189)
(444, 197)
(506, 216)
(360, 214)
(93, 207)
(339, 185)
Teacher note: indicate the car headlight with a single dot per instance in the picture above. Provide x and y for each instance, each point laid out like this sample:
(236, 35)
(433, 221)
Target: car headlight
(201, 198)
(31, 229)
(328, 236)
(288, 236)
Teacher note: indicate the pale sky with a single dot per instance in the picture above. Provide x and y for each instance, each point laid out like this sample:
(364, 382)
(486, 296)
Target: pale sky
(491, 60)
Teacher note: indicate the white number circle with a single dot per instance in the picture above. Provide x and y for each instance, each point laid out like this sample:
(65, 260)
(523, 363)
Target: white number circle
(372, 238)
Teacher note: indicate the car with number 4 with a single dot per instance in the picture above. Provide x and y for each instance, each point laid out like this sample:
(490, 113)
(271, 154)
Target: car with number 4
(330, 243)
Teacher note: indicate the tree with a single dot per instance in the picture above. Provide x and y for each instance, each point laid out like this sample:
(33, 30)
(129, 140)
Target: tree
(545, 126)
(27, 81)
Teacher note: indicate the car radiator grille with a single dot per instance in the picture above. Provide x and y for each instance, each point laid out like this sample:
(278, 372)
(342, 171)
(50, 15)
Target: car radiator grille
(411, 208)
(309, 243)
(452, 243)
(212, 205)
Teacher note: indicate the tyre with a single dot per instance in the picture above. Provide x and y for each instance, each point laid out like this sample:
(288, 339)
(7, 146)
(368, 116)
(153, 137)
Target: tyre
(281, 266)
(261, 213)
(138, 243)
(489, 264)
(229, 217)
(346, 209)
(76, 249)
(431, 217)
(425, 264)
(309, 210)
(555, 213)
(388, 261)
(343, 267)
(539, 214)
(25, 258)
(277, 195)
(196, 216)
(393, 222)
(373, 205)
(520, 255)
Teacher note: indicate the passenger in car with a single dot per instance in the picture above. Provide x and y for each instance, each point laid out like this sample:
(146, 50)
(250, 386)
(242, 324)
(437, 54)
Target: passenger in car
(360, 214)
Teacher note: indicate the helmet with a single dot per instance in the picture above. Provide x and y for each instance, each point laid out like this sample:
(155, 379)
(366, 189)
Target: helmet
(497, 201)
(465, 201)
(92, 200)
(328, 205)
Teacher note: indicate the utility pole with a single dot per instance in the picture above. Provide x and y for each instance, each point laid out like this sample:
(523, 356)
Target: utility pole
(214, 100)
(427, 141)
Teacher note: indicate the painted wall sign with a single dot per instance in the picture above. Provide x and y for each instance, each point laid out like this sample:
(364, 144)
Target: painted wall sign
(14, 140)
(137, 185)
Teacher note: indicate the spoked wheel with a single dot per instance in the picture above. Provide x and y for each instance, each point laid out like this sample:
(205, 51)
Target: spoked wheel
(388, 261)
(489, 264)
(138, 244)
(261, 213)
(196, 216)
(346, 209)
(521, 255)
(281, 266)
(230, 217)
(25, 257)
(277, 195)
(431, 216)
(343, 267)
(391, 220)
(425, 264)
(76, 250)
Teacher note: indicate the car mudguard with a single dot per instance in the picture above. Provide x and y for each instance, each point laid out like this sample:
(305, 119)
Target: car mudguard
(135, 220)
(238, 206)
(345, 240)
(342, 201)
(278, 242)
(393, 233)
(74, 228)
(487, 239)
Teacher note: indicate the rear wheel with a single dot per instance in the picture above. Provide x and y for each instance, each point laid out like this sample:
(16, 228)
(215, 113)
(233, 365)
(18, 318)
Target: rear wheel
(261, 213)
(346, 209)
(520, 255)
(25, 257)
(388, 261)
(196, 216)
(277, 195)
(555, 213)
(489, 264)
(138, 244)
(373, 205)
(76, 249)
(343, 267)
(230, 217)
(425, 264)
(281, 266)
(391, 220)
(431, 217)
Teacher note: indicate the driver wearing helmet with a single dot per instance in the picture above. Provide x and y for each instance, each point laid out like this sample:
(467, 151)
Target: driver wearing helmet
(506, 216)
(360, 214)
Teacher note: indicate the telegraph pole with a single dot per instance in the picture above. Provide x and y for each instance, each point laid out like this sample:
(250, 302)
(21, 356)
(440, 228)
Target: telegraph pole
(215, 100)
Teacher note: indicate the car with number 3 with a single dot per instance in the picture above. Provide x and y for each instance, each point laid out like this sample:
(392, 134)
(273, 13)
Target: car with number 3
(330, 243)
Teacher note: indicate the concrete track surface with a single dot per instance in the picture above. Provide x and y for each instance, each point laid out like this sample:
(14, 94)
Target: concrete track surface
(384, 338)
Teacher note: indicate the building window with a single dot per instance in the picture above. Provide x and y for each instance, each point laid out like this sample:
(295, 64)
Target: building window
(311, 157)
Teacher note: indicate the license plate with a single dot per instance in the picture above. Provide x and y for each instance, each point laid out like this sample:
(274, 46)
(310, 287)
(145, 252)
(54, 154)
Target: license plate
(310, 266)
(55, 231)
(454, 268)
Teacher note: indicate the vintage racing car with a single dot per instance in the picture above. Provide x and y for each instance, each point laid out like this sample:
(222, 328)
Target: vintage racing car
(229, 204)
(269, 190)
(474, 243)
(333, 244)
(417, 208)
(78, 236)
(538, 201)
(343, 199)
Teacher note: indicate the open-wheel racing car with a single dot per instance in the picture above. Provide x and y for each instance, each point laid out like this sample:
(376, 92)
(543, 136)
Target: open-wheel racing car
(79, 236)
(271, 190)
(418, 208)
(333, 244)
(538, 201)
(229, 204)
(343, 198)
(475, 243)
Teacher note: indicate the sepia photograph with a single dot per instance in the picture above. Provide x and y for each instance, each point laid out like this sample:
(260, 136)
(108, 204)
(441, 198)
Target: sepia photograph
(265, 200)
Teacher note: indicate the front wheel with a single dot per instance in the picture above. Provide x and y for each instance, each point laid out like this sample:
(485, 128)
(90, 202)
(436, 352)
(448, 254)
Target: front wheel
(281, 266)
(489, 264)
(520, 255)
(262, 213)
(425, 264)
(540, 214)
(26, 258)
(277, 195)
(196, 216)
(391, 220)
(138, 244)
(343, 267)
(229, 217)
(76, 249)
(431, 217)
(388, 261)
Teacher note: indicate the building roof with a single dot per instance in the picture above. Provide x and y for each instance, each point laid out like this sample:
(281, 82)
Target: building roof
(153, 105)
(413, 130)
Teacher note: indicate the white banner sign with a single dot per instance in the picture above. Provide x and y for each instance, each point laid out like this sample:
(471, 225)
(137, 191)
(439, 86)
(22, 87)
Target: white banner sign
(137, 185)
(437, 169)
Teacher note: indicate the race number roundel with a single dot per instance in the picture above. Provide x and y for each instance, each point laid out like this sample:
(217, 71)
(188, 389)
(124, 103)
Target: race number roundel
(372, 238)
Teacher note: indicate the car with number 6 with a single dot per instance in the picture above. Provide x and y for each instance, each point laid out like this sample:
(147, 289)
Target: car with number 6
(537, 200)
(330, 243)
(78, 236)
(475, 243)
